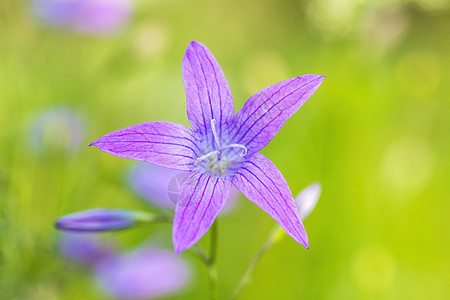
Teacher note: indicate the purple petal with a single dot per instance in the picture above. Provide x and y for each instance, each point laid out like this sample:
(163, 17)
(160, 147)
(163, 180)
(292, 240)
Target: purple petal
(162, 143)
(263, 184)
(201, 200)
(96, 220)
(142, 274)
(307, 199)
(208, 94)
(263, 115)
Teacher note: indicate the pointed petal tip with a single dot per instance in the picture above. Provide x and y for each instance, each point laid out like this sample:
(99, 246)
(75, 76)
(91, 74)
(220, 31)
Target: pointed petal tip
(304, 242)
(178, 248)
(195, 44)
(318, 77)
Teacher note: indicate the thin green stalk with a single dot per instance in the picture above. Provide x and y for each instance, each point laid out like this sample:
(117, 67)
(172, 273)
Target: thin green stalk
(201, 254)
(273, 237)
(144, 218)
(212, 268)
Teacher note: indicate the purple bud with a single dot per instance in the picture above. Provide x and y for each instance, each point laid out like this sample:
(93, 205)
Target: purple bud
(90, 16)
(87, 249)
(307, 199)
(142, 274)
(96, 220)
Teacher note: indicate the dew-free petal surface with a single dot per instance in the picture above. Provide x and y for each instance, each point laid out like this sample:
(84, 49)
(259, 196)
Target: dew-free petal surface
(162, 143)
(208, 94)
(263, 115)
(201, 200)
(263, 184)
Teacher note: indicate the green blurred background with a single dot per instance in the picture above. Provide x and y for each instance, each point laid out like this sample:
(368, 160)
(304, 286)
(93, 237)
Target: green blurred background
(376, 134)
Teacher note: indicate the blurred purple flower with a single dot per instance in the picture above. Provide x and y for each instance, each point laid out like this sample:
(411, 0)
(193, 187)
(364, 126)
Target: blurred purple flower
(307, 199)
(151, 182)
(90, 16)
(86, 249)
(161, 186)
(222, 148)
(145, 273)
(96, 220)
(57, 127)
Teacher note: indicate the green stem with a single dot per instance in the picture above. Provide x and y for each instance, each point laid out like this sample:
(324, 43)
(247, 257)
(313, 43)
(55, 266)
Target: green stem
(201, 254)
(245, 279)
(212, 269)
(143, 217)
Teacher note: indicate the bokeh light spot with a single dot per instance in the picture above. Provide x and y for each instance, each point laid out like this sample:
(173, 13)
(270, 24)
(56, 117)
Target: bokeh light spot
(263, 69)
(408, 164)
(374, 268)
(419, 74)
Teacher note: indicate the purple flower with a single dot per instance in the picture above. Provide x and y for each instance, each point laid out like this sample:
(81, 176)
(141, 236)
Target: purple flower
(161, 186)
(96, 220)
(87, 249)
(91, 16)
(157, 185)
(145, 273)
(222, 148)
(307, 199)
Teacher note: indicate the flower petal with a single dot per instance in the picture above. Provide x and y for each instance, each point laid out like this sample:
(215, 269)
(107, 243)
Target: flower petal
(263, 115)
(201, 200)
(208, 94)
(263, 184)
(162, 143)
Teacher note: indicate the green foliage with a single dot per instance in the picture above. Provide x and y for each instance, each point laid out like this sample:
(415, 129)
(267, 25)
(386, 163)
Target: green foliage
(375, 135)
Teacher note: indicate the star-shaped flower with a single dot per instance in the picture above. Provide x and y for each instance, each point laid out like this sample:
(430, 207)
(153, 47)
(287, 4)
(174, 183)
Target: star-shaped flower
(221, 149)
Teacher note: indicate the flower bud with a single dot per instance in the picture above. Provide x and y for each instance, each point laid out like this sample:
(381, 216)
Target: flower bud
(307, 199)
(96, 220)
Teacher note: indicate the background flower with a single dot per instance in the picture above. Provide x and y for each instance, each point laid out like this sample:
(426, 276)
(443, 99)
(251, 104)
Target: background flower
(86, 249)
(90, 16)
(142, 274)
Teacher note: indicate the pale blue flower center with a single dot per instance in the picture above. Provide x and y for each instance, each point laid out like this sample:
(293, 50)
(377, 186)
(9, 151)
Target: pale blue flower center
(218, 161)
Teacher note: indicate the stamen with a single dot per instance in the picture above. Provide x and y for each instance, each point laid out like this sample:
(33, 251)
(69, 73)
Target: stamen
(237, 146)
(199, 159)
(216, 137)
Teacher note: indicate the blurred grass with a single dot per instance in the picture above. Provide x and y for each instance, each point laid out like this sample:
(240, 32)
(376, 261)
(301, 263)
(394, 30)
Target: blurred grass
(375, 134)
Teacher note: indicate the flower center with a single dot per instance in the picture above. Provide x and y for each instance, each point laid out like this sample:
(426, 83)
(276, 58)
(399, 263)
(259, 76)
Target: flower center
(218, 161)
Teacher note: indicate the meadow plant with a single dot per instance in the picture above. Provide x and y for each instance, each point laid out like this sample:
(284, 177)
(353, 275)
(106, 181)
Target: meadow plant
(218, 153)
